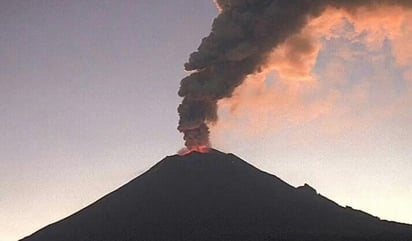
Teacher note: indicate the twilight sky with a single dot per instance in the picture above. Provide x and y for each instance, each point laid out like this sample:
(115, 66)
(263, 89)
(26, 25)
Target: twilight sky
(88, 98)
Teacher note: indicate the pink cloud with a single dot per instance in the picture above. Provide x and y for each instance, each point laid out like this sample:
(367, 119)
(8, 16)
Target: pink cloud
(288, 93)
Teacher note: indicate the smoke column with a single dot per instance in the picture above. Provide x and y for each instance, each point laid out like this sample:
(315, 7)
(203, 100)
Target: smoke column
(242, 37)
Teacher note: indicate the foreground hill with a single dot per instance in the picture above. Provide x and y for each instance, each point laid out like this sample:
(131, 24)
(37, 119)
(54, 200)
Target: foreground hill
(217, 197)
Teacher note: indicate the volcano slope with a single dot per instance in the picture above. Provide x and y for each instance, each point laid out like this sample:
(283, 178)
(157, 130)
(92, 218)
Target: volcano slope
(217, 197)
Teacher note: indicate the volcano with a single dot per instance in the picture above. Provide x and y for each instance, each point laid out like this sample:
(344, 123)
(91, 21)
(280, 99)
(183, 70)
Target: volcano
(217, 197)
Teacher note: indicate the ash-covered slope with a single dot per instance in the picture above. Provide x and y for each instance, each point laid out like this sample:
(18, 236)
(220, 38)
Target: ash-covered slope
(217, 196)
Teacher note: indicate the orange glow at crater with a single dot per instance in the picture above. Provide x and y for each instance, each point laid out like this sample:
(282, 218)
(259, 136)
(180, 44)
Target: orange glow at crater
(199, 149)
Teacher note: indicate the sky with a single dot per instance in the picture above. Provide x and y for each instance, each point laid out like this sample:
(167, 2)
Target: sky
(88, 98)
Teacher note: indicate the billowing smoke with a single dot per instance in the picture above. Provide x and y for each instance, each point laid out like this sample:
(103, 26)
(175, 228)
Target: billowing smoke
(241, 39)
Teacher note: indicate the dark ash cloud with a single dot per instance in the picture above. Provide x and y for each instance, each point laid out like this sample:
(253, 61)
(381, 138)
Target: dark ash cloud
(242, 36)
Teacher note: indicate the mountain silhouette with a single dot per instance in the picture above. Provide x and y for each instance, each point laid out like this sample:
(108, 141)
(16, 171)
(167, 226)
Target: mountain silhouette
(217, 197)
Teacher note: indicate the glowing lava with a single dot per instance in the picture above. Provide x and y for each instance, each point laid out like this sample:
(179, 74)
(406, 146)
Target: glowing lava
(200, 149)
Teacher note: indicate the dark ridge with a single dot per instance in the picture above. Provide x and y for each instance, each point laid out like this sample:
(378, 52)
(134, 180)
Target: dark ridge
(217, 197)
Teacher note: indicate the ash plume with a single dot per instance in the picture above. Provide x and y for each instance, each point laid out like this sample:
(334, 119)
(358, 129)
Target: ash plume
(242, 37)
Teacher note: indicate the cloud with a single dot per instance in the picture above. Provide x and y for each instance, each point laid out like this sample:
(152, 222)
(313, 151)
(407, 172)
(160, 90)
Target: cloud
(298, 85)
(254, 37)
